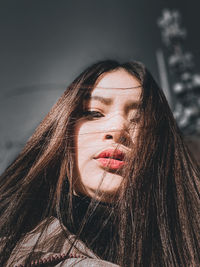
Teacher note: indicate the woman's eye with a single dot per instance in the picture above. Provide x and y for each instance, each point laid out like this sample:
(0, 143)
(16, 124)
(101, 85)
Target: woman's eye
(92, 114)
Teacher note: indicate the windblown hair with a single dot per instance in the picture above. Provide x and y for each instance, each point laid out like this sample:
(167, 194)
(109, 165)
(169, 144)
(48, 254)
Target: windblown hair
(157, 218)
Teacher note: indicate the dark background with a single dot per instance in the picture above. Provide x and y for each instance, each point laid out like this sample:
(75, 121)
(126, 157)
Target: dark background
(45, 44)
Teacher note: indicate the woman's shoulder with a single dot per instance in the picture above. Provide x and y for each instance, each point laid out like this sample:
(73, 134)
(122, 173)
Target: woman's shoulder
(51, 245)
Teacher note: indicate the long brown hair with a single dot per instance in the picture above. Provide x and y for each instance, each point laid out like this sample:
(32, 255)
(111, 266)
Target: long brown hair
(157, 218)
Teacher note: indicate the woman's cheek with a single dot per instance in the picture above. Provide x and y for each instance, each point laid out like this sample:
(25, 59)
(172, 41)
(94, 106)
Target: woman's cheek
(90, 129)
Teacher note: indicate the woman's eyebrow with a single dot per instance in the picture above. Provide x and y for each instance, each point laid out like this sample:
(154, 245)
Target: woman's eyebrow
(104, 100)
(108, 101)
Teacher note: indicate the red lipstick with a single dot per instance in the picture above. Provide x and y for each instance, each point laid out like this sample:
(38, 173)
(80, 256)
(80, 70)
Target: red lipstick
(111, 158)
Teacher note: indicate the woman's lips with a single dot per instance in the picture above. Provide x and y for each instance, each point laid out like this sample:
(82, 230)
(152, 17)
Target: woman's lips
(111, 159)
(111, 163)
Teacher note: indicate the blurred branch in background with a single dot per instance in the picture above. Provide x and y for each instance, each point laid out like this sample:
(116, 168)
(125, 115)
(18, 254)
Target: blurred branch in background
(185, 85)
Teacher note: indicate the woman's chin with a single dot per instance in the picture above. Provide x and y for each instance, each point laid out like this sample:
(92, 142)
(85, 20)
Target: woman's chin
(105, 188)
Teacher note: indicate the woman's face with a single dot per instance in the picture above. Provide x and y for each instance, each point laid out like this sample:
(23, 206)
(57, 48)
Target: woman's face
(102, 135)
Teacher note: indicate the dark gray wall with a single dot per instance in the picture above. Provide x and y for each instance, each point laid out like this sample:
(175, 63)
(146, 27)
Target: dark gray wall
(45, 44)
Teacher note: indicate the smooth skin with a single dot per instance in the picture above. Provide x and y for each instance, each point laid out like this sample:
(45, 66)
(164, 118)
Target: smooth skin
(113, 103)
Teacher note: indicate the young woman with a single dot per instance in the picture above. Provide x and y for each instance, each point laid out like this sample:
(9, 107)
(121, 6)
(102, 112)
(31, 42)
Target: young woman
(105, 180)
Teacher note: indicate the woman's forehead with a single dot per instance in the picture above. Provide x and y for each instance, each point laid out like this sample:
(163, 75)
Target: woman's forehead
(129, 94)
(119, 79)
(118, 83)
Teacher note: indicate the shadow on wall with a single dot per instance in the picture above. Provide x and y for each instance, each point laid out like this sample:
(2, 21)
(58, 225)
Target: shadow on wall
(23, 109)
(8, 151)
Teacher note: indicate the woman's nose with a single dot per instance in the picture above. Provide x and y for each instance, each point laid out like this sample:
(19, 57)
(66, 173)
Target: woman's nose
(117, 129)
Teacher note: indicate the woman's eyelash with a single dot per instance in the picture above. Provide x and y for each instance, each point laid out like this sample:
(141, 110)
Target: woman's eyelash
(93, 114)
